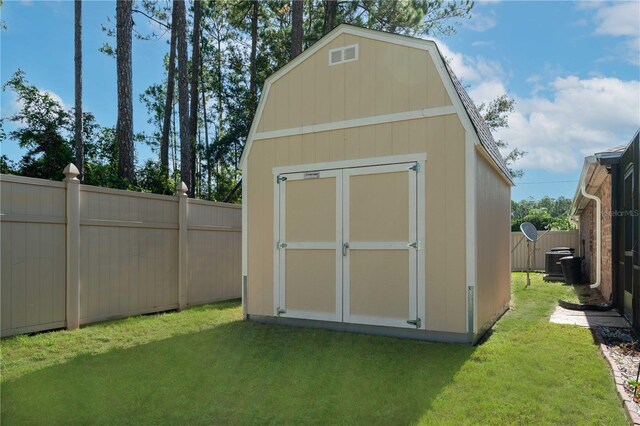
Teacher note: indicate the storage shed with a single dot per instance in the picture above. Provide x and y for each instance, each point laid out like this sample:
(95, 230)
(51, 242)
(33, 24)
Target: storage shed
(375, 199)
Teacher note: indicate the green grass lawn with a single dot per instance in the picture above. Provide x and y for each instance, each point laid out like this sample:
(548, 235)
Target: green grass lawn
(206, 366)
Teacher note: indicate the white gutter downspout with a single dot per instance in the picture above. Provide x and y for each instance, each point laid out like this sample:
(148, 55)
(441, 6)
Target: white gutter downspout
(592, 160)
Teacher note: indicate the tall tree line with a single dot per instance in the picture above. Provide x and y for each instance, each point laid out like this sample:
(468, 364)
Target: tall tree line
(203, 108)
(235, 46)
(544, 212)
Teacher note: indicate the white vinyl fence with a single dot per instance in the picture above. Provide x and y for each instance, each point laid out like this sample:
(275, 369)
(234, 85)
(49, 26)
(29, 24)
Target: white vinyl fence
(74, 254)
(548, 241)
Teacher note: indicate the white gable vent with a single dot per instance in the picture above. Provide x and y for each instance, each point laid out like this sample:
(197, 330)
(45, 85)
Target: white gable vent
(343, 54)
(335, 56)
(350, 53)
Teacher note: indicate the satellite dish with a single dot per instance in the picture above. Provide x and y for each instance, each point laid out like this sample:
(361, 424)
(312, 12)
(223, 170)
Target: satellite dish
(531, 234)
(529, 230)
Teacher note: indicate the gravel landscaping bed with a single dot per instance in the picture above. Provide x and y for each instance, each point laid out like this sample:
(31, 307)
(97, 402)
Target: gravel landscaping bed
(621, 347)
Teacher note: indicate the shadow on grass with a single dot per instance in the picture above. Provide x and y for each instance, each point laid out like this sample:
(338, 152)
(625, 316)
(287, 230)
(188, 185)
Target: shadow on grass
(24, 354)
(241, 372)
(587, 295)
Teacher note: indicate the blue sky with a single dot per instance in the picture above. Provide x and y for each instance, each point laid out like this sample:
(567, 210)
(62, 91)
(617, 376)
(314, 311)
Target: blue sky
(39, 40)
(572, 67)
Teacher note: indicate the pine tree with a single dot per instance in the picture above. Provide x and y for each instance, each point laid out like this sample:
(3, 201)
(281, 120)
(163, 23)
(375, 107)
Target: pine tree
(183, 92)
(124, 126)
(195, 74)
(168, 106)
(78, 142)
(330, 11)
(296, 27)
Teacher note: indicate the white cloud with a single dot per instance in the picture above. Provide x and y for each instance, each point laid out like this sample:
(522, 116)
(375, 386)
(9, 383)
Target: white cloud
(481, 22)
(470, 68)
(536, 83)
(589, 4)
(57, 98)
(484, 76)
(563, 120)
(481, 43)
(632, 46)
(461, 66)
(619, 19)
(16, 104)
(486, 91)
(582, 116)
(622, 20)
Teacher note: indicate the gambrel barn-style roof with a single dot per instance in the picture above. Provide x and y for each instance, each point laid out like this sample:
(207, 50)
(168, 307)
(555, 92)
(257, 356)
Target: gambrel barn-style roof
(483, 134)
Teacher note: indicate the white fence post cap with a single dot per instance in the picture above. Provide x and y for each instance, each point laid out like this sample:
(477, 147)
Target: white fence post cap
(182, 188)
(71, 172)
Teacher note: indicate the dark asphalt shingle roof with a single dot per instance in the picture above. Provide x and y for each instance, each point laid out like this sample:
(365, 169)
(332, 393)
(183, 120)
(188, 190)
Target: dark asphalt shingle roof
(482, 130)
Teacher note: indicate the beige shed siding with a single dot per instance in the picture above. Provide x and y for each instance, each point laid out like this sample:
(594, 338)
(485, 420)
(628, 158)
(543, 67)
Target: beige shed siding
(308, 203)
(370, 267)
(405, 79)
(493, 239)
(442, 138)
(376, 200)
(311, 271)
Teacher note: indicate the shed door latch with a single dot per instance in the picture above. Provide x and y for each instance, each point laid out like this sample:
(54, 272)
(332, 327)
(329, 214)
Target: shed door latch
(417, 322)
(415, 168)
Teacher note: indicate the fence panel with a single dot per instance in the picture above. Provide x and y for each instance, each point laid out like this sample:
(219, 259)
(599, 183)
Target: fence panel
(548, 241)
(128, 254)
(32, 230)
(129, 262)
(219, 252)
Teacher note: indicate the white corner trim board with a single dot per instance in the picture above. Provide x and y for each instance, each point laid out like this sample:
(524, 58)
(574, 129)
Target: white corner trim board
(357, 122)
(471, 166)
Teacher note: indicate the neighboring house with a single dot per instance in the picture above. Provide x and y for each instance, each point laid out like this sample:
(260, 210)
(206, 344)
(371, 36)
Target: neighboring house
(375, 199)
(606, 205)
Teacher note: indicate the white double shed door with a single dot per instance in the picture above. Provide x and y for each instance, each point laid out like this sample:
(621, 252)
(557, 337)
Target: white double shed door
(349, 242)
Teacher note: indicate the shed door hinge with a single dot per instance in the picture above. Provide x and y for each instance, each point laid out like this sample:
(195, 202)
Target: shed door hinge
(417, 322)
(415, 245)
(281, 179)
(280, 245)
(280, 311)
(415, 168)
